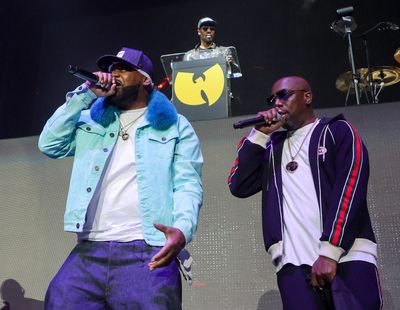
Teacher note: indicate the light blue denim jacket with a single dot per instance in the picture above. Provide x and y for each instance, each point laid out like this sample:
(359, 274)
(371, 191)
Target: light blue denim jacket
(168, 160)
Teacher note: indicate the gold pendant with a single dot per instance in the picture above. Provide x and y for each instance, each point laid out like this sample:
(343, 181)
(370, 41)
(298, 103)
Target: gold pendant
(125, 136)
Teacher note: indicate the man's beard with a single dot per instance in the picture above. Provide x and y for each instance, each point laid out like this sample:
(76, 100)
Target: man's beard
(289, 126)
(124, 98)
(208, 38)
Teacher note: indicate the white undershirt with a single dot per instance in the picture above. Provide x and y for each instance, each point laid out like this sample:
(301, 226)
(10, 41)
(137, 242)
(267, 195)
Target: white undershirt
(113, 213)
(302, 223)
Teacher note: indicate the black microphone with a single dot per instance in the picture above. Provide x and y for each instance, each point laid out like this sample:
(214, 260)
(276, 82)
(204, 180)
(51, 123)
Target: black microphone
(83, 74)
(345, 11)
(259, 120)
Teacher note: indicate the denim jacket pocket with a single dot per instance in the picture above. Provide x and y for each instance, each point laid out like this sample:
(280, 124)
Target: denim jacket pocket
(89, 129)
(163, 146)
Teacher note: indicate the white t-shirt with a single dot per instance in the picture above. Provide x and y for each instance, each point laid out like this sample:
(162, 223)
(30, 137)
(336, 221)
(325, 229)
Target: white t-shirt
(302, 222)
(113, 213)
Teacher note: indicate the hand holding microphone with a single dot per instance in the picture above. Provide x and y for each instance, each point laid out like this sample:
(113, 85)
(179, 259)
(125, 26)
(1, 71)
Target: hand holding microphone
(101, 83)
(266, 121)
(273, 121)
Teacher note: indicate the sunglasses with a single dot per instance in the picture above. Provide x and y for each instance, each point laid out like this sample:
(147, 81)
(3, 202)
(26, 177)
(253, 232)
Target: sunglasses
(283, 94)
(206, 28)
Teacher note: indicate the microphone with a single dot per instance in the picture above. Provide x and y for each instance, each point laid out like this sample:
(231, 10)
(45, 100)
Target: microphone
(345, 11)
(83, 74)
(259, 120)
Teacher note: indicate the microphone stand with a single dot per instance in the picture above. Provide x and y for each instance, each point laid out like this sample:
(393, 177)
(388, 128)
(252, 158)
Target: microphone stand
(371, 84)
(347, 32)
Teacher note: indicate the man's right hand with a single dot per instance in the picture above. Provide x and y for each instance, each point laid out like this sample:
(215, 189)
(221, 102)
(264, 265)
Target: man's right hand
(270, 125)
(323, 271)
(106, 87)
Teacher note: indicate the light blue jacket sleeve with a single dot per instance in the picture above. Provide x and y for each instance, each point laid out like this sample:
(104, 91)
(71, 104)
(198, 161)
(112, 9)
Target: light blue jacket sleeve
(188, 193)
(57, 139)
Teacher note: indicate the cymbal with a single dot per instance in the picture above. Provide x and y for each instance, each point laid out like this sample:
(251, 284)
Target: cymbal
(387, 74)
(345, 80)
(339, 25)
(397, 55)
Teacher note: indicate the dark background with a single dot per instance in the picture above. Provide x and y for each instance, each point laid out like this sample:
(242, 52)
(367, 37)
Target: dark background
(39, 39)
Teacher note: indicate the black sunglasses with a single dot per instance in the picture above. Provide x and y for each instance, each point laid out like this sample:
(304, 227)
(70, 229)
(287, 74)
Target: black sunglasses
(283, 94)
(205, 28)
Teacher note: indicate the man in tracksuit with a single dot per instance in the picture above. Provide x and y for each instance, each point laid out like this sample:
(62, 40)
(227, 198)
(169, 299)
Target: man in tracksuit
(313, 174)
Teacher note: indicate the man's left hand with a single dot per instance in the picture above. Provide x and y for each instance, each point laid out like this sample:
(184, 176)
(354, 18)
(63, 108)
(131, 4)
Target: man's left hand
(323, 271)
(175, 243)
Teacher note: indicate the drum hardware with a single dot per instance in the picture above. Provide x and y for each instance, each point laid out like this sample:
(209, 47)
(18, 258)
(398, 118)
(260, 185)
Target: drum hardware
(345, 82)
(377, 77)
(371, 79)
(345, 24)
(375, 87)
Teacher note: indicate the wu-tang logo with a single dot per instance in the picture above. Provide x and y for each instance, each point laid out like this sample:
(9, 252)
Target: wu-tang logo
(204, 89)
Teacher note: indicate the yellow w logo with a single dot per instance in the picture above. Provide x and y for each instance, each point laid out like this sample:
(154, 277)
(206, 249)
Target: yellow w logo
(207, 88)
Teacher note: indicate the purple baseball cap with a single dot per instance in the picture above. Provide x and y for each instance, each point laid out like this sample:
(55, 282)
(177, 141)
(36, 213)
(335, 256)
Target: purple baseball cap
(134, 58)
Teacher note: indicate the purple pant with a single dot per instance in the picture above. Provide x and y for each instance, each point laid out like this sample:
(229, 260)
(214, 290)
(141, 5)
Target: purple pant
(114, 275)
(359, 288)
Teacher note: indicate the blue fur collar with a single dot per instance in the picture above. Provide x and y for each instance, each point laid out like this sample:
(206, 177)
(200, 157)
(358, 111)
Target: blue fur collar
(161, 113)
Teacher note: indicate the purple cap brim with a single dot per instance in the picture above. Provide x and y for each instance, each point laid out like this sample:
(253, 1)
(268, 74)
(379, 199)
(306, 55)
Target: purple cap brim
(104, 62)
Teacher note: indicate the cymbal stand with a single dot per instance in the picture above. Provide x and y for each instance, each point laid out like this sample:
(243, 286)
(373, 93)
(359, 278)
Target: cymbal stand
(347, 96)
(371, 83)
(348, 20)
(366, 94)
(365, 91)
(381, 86)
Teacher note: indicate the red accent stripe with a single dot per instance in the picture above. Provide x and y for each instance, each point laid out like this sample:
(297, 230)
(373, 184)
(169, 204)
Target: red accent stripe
(379, 286)
(236, 161)
(232, 171)
(349, 191)
(241, 142)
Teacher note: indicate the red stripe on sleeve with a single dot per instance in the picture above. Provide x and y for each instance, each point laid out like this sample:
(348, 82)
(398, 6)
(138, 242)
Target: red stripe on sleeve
(349, 191)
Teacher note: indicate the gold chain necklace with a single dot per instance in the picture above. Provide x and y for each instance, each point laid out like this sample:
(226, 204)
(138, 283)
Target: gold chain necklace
(123, 129)
(293, 165)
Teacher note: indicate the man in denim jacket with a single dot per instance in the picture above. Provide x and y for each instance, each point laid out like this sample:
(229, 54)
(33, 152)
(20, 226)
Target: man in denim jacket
(135, 190)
